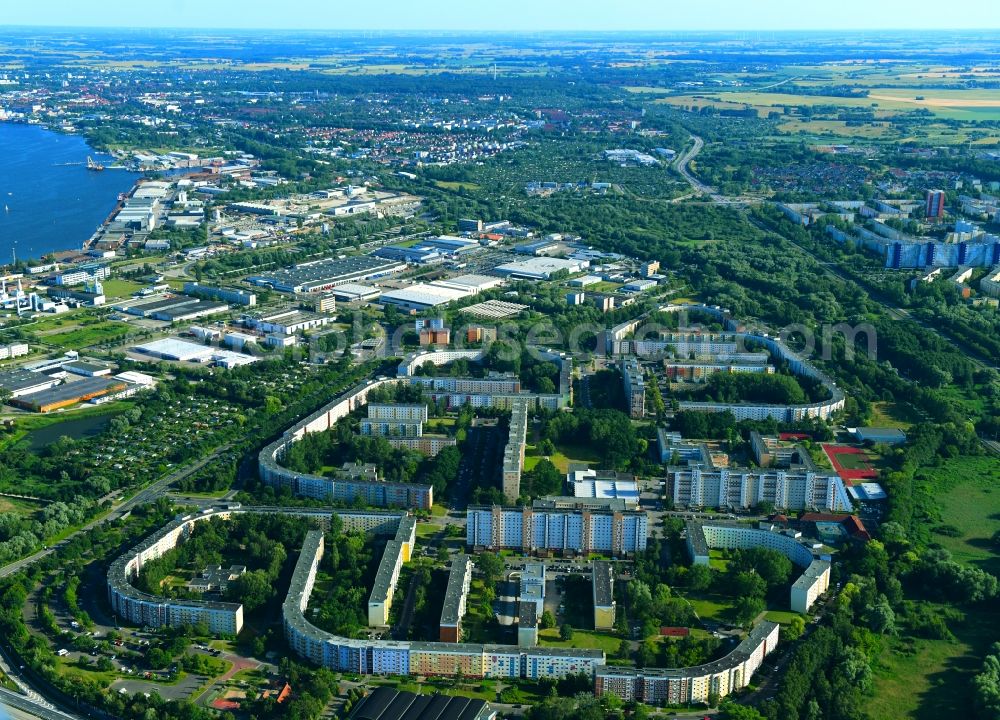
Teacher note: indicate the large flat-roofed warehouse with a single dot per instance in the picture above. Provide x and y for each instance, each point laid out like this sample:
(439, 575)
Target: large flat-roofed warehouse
(184, 351)
(351, 292)
(540, 268)
(423, 296)
(289, 322)
(25, 382)
(322, 275)
(387, 704)
(440, 292)
(190, 311)
(68, 394)
(173, 349)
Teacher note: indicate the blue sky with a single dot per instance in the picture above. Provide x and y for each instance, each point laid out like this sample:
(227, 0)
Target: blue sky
(519, 15)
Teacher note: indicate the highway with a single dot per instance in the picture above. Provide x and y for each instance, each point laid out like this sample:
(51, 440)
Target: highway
(681, 165)
(21, 707)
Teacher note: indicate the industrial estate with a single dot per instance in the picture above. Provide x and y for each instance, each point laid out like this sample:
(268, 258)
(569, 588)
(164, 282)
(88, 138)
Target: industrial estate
(617, 378)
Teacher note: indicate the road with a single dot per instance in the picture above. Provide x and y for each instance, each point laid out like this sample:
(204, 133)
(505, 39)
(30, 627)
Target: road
(150, 493)
(681, 165)
(21, 707)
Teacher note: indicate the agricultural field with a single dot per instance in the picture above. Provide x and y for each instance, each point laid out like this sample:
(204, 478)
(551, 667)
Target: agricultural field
(886, 102)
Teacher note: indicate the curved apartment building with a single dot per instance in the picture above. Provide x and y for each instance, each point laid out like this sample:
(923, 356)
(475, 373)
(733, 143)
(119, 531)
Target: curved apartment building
(222, 618)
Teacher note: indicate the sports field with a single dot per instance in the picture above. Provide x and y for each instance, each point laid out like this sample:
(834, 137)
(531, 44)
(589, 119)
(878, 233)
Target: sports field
(850, 463)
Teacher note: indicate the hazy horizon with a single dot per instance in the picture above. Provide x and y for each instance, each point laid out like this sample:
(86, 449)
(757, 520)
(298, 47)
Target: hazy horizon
(513, 16)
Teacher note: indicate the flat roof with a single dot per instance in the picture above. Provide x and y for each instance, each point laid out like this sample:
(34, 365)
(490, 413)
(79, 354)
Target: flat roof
(527, 615)
(540, 266)
(85, 366)
(71, 391)
(175, 349)
(386, 568)
(321, 272)
(612, 489)
(198, 307)
(604, 583)
(494, 309)
(349, 290)
(460, 569)
(162, 304)
(17, 380)
(426, 294)
(385, 703)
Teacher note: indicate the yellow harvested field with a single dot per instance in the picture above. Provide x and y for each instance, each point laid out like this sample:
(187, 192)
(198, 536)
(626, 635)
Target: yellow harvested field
(941, 101)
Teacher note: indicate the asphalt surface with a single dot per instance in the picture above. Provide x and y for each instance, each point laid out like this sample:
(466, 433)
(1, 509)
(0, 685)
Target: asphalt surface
(24, 707)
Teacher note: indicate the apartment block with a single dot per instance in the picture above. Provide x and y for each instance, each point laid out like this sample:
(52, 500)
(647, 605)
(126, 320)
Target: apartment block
(603, 582)
(453, 608)
(569, 530)
(635, 387)
(513, 453)
(682, 686)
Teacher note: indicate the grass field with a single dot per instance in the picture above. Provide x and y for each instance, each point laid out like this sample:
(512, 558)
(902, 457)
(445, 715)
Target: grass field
(13, 505)
(717, 561)
(853, 462)
(929, 679)
(120, 288)
(782, 617)
(840, 128)
(447, 185)
(958, 104)
(563, 457)
(710, 607)
(84, 337)
(968, 491)
(893, 415)
(581, 639)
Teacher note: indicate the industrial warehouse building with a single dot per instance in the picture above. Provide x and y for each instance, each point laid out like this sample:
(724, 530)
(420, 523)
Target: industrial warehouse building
(540, 268)
(25, 382)
(326, 274)
(440, 292)
(61, 396)
(186, 351)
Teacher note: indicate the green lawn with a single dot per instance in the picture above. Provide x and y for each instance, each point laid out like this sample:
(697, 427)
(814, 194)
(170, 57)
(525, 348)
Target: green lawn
(710, 607)
(563, 456)
(120, 288)
(968, 492)
(929, 679)
(893, 415)
(83, 337)
(606, 641)
(717, 561)
(782, 617)
(449, 185)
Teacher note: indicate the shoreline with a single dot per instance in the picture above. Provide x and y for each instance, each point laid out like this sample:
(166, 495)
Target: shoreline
(69, 244)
